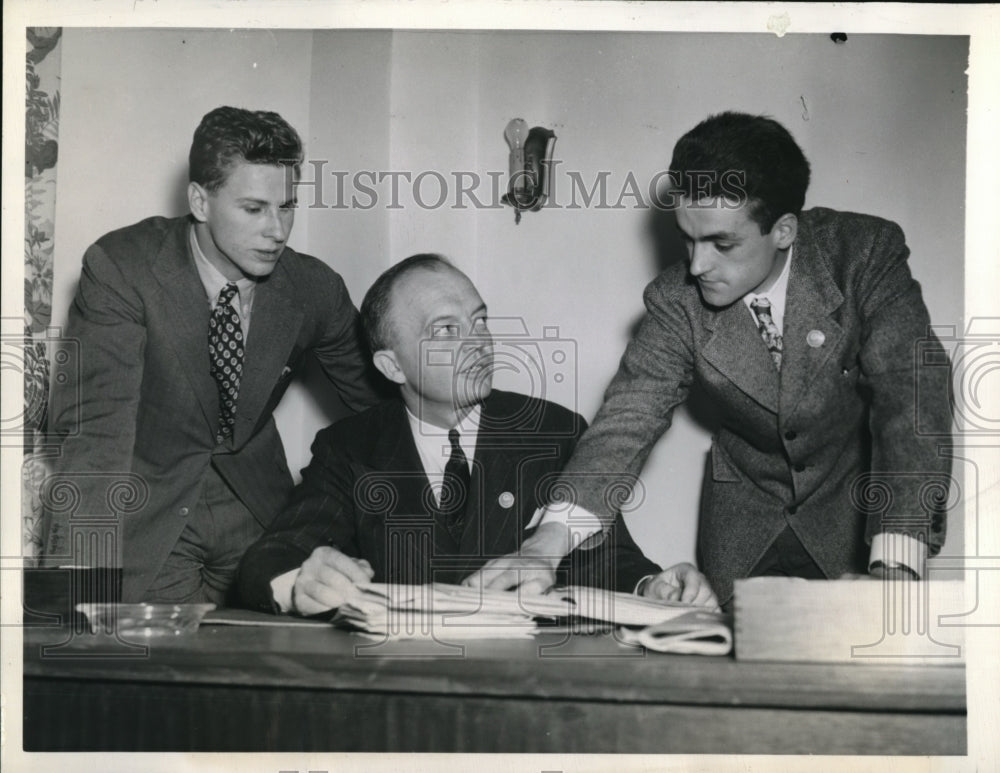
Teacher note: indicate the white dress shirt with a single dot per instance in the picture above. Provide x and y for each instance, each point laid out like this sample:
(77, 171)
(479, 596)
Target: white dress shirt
(213, 281)
(776, 294)
(434, 448)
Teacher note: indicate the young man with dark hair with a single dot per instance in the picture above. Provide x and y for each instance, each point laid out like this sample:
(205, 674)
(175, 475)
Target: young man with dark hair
(429, 487)
(801, 328)
(190, 330)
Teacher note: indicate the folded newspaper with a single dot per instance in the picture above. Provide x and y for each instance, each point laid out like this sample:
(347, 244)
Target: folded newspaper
(696, 632)
(455, 613)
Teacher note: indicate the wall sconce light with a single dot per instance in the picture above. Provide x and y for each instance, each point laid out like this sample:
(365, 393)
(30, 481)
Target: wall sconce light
(530, 157)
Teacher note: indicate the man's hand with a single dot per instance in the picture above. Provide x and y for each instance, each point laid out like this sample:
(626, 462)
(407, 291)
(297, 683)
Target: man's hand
(684, 583)
(532, 568)
(327, 579)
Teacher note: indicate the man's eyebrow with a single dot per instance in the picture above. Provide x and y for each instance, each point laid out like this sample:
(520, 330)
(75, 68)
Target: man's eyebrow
(441, 319)
(264, 202)
(723, 235)
(449, 318)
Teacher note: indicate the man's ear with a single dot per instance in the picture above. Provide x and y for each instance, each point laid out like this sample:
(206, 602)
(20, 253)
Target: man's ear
(388, 366)
(785, 229)
(198, 201)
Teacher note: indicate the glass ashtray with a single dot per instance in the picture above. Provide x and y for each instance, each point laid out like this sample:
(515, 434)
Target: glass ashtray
(144, 620)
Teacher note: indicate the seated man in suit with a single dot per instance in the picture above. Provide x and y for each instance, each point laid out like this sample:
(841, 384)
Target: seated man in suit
(430, 486)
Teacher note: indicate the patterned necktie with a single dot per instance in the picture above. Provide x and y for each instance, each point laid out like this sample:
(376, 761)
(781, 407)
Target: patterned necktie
(768, 330)
(455, 485)
(225, 349)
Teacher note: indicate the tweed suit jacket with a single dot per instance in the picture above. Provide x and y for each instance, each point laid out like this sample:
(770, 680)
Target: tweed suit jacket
(840, 445)
(365, 492)
(137, 423)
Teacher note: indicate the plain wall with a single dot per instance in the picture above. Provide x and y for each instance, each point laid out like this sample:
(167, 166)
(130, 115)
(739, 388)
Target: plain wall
(881, 118)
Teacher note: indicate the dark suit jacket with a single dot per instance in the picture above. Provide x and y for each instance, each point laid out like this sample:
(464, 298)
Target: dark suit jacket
(365, 493)
(138, 421)
(841, 445)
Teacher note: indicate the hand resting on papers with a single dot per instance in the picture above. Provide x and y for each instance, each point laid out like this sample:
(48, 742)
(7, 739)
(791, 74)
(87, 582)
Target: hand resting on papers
(681, 582)
(532, 569)
(327, 579)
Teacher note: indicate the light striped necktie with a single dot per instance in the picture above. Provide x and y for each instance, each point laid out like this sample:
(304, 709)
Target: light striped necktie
(768, 330)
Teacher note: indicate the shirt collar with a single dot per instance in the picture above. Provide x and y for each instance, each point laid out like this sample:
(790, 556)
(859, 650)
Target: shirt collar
(777, 294)
(428, 437)
(469, 425)
(212, 279)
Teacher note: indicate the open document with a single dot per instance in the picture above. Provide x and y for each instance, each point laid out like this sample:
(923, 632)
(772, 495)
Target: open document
(454, 613)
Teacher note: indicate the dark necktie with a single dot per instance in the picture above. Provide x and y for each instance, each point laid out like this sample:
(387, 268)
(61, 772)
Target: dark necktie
(455, 485)
(225, 349)
(768, 330)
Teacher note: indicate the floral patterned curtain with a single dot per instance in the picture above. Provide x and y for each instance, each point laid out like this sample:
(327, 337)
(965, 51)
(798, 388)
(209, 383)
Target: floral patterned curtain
(41, 154)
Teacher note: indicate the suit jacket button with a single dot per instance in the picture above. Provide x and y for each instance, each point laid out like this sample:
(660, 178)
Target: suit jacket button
(506, 500)
(184, 511)
(790, 435)
(791, 509)
(800, 468)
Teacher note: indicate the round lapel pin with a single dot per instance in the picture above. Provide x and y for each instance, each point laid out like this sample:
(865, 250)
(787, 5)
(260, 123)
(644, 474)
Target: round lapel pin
(506, 500)
(815, 338)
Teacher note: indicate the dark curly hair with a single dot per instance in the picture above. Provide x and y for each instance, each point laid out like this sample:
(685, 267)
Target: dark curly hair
(752, 155)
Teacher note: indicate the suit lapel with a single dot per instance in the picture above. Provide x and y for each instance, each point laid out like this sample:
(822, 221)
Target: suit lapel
(187, 307)
(736, 350)
(274, 326)
(812, 298)
(491, 516)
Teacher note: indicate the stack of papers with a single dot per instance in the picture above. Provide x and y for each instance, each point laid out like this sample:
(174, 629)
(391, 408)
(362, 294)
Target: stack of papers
(455, 613)
(448, 612)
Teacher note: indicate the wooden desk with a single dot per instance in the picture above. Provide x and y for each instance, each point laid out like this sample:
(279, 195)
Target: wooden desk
(320, 689)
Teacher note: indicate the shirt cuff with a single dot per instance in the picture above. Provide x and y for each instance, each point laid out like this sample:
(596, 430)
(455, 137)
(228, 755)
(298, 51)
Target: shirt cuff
(893, 548)
(281, 589)
(580, 523)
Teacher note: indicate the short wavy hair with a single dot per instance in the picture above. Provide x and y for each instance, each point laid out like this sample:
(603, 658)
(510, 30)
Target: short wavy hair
(228, 135)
